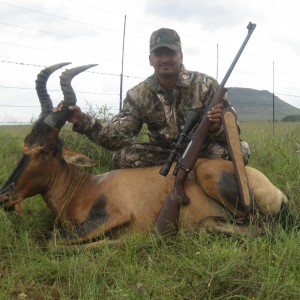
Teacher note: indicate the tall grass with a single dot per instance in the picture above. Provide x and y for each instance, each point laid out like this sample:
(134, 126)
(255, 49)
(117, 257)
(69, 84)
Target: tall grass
(191, 266)
(276, 152)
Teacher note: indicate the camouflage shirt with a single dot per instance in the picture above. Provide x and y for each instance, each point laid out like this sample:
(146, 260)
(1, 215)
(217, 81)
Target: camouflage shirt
(163, 111)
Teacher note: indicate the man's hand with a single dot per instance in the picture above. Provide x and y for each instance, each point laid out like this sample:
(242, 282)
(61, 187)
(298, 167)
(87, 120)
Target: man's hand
(77, 115)
(215, 117)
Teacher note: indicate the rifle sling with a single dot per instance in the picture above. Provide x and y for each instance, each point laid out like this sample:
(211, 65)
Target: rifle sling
(233, 141)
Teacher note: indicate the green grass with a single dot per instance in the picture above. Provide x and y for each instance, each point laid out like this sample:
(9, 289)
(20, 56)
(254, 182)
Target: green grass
(191, 266)
(276, 152)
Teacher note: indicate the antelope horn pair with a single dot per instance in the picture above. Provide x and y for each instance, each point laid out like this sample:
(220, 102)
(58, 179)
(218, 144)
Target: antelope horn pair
(57, 119)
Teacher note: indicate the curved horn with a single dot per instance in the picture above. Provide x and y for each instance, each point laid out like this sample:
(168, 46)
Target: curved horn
(65, 83)
(40, 86)
(58, 119)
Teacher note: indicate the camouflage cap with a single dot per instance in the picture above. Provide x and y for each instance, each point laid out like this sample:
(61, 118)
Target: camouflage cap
(165, 37)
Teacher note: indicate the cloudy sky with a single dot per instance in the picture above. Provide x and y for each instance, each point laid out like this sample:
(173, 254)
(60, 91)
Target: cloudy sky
(34, 34)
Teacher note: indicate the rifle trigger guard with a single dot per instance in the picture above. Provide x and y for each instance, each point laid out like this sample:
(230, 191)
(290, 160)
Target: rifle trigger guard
(179, 166)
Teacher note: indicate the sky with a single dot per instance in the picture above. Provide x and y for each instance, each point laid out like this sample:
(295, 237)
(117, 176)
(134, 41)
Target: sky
(35, 34)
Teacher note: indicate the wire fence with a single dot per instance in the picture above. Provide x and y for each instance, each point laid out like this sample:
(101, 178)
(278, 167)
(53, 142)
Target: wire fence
(96, 38)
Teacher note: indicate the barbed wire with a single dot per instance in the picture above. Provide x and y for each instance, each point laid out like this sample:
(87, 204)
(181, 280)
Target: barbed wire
(92, 72)
(76, 21)
(35, 11)
(88, 71)
(54, 90)
(90, 25)
(59, 17)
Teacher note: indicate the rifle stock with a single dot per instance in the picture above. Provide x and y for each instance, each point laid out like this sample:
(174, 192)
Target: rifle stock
(167, 220)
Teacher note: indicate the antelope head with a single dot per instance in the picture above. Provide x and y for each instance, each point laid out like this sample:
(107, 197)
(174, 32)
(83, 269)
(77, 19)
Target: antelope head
(42, 146)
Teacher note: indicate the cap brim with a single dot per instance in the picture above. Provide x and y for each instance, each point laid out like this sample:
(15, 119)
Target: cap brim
(170, 46)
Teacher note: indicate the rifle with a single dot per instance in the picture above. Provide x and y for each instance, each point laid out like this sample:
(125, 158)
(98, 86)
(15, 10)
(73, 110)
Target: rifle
(167, 219)
(191, 121)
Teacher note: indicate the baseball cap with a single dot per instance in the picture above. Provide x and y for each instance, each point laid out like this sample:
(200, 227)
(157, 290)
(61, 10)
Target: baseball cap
(165, 37)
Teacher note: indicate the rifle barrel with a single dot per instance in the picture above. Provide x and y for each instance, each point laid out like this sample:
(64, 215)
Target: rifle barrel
(250, 27)
(191, 153)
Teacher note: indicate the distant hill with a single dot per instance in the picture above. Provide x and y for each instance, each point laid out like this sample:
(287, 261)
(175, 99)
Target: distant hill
(255, 105)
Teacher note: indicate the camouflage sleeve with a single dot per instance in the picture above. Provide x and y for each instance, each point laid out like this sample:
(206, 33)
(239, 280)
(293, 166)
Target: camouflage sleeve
(116, 133)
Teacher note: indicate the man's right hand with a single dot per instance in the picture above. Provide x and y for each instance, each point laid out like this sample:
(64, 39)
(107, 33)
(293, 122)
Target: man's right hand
(76, 117)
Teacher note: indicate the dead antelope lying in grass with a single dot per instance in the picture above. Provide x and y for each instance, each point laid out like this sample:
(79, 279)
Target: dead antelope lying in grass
(93, 207)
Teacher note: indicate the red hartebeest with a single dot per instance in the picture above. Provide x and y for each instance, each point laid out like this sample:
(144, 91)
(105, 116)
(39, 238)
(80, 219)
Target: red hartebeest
(92, 207)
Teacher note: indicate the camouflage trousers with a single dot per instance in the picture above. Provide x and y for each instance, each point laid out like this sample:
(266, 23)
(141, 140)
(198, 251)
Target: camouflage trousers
(148, 155)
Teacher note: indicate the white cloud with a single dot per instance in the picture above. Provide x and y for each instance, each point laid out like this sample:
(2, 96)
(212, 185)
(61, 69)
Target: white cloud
(211, 15)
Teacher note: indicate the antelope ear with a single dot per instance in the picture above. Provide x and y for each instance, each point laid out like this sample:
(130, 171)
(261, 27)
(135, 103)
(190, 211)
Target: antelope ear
(34, 150)
(77, 158)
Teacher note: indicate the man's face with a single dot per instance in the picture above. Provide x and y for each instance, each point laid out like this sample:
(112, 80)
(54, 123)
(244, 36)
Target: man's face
(166, 62)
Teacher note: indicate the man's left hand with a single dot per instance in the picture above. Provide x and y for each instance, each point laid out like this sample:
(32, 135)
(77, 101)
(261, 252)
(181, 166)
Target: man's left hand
(215, 117)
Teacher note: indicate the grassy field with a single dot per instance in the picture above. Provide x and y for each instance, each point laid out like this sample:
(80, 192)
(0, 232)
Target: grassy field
(192, 266)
